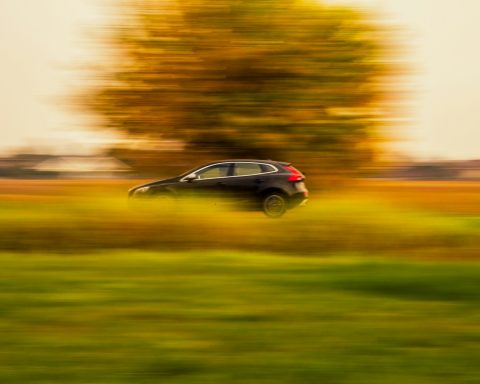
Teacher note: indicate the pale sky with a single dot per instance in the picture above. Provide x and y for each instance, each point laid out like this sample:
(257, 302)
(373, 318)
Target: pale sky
(41, 41)
(41, 44)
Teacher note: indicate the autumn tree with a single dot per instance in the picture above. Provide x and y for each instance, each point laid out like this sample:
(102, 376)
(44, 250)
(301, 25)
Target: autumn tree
(283, 79)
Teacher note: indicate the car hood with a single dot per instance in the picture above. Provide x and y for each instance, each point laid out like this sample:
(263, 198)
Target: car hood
(153, 183)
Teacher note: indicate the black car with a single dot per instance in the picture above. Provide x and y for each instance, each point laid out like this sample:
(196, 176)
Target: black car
(272, 186)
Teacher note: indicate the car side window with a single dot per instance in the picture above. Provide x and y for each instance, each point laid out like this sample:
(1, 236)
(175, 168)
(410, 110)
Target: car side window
(213, 171)
(245, 169)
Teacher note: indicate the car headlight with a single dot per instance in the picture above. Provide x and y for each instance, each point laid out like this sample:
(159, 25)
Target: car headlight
(141, 191)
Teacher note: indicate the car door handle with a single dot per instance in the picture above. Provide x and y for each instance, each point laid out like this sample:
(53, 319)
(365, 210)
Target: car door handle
(258, 181)
(220, 183)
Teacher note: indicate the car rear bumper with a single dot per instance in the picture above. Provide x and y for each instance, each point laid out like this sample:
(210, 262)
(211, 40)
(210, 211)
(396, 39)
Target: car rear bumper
(298, 199)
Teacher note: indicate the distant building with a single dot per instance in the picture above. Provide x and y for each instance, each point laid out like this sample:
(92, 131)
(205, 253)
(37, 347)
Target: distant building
(82, 167)
(469, 170)
(435, 170)
(20, 165)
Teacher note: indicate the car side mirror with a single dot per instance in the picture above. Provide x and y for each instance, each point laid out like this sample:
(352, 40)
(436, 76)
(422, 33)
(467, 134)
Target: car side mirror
(189, 178)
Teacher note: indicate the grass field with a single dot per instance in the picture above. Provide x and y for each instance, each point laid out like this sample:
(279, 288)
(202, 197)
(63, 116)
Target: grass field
(377, 283)
(218, 317)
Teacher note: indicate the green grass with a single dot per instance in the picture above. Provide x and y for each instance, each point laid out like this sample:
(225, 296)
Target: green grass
(236, 317)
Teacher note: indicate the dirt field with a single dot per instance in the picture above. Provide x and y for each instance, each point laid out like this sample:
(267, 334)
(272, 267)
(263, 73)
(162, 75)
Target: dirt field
(461, 197)
(426, 219)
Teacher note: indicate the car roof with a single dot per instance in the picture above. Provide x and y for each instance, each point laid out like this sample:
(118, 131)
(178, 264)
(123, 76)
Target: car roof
(283, 163)
(248, 161)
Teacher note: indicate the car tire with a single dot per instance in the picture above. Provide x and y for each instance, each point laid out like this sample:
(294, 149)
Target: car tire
(274, 205)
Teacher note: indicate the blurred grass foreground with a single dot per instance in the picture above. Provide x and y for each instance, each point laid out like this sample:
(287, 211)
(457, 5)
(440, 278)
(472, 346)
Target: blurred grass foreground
(75, 216)
(379, 285)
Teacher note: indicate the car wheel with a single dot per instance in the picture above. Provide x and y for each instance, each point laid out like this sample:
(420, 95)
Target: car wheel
(274, 205)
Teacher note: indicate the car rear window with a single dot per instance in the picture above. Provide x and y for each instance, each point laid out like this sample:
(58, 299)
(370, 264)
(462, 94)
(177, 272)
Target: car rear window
(268, 168)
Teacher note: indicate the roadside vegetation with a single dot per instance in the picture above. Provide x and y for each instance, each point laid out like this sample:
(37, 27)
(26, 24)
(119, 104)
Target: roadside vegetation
(78, 216)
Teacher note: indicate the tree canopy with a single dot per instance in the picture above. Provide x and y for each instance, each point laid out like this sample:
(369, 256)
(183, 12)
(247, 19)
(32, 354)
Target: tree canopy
(240, 78)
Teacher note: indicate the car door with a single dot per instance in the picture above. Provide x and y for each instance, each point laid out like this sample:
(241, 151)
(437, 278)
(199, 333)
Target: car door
(247, 179)
(208, 181)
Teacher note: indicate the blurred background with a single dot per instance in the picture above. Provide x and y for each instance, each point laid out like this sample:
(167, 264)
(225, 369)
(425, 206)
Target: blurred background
(374, 281)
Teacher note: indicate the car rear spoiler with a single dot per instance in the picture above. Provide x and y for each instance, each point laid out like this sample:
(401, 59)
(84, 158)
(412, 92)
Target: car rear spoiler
(284, 163)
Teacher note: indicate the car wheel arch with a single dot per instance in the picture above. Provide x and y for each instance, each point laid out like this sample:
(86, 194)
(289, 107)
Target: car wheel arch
(272, 190)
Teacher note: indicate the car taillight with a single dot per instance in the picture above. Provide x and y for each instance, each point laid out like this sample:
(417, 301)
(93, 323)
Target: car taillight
(295, 174)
